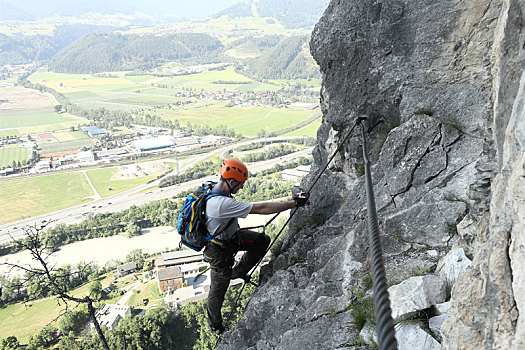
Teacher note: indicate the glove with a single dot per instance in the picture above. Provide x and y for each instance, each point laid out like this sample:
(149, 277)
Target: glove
(301, 199)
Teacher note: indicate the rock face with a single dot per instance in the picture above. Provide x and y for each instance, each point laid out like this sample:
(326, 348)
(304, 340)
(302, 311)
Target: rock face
(443, 86)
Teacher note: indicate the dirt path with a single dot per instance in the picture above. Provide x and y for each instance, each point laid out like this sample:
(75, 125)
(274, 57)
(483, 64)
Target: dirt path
(95, 194)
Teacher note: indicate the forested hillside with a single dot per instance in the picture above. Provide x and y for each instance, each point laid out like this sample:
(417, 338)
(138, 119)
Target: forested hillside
(254, 45)
(291, 13)
(21, 49)
(288, 59)
(111, 52)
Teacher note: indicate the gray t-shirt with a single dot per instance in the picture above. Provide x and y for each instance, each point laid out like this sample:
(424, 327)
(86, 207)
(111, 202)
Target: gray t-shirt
(219, 212)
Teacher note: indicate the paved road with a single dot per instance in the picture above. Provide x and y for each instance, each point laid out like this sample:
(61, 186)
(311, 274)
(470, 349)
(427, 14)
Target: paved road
(137, 196)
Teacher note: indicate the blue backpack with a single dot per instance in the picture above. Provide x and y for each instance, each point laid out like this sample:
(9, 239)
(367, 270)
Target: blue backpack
(192, 218)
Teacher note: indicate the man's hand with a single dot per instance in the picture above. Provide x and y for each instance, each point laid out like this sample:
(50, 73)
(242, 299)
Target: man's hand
(301, 199)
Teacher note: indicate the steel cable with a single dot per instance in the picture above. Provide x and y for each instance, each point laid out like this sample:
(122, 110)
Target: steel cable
(383, 312)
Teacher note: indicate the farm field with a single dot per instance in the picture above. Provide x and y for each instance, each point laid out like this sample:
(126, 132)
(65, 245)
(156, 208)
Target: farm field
(10, 154)
(26, 118)
(33, 196)
(29, 111)
(245, 120)
(157, 96)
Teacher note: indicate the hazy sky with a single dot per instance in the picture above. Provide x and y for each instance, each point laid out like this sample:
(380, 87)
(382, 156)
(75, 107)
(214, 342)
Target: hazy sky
(182, 8)
(188, 8)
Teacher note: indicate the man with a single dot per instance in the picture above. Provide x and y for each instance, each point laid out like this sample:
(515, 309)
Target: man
(222, 213)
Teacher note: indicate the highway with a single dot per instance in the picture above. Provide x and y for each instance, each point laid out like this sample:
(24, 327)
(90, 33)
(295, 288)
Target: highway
(137, 196)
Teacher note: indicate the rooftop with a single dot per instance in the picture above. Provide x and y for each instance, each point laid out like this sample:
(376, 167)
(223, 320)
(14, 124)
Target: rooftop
(169, 273)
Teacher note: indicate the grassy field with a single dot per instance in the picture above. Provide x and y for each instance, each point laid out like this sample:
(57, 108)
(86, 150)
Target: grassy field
(148, 291)
(308, 130)
(23, 320)
(103, 180)
(69, 145)
(32, 196)
(28, 117)
(10, 154)
(11, 132)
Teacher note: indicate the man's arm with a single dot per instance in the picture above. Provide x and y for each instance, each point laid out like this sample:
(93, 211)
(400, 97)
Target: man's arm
(271, 207)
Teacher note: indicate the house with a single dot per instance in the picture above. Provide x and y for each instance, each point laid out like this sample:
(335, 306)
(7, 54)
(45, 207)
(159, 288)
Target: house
(127, 268)
(169, 279)
(110, 315)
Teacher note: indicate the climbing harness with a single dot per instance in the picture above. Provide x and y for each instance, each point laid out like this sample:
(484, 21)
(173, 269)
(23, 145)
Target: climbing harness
(383, 312)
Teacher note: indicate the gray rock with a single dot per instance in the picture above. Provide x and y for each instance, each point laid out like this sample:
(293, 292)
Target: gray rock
(415, 294)
(443, 308)
(435, 324)
(410, 336)
(446, 79)
(369, 334)
(452, 265)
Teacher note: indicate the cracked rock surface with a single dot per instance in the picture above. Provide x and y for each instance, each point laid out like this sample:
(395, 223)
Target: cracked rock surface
(443, 83)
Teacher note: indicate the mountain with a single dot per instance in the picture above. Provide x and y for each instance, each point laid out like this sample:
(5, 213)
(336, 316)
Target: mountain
(19, 49)
(291, 13)
(288, 59)
(9, 11)
(110, 52)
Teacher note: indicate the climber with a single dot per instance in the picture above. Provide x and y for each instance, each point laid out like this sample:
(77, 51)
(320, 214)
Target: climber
(222, 213)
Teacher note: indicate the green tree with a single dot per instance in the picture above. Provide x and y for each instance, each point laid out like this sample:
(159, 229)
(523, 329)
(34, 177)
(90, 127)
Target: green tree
(74, 321)
(132, 229)
(9, 343)
(95, 290)
(43, 339)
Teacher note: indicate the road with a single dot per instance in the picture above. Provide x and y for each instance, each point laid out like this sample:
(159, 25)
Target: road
(137, 196)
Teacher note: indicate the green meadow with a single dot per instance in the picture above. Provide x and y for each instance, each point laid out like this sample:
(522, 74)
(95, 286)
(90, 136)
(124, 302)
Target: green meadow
(32, 196)
(8, 155)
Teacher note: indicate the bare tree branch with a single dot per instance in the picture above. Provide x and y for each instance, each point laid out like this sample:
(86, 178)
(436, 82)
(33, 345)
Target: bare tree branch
(50, 276)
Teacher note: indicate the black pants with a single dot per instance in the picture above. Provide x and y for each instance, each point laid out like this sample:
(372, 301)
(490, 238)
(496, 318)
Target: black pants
(221, 259)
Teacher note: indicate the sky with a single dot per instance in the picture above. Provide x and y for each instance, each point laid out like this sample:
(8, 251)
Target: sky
(179, 8)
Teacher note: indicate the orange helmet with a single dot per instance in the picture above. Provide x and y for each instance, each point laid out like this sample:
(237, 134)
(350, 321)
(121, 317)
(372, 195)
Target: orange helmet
(234, 169)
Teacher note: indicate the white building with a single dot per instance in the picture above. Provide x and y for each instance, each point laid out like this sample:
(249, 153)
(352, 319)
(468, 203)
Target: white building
(111, 314)
(85, 157)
